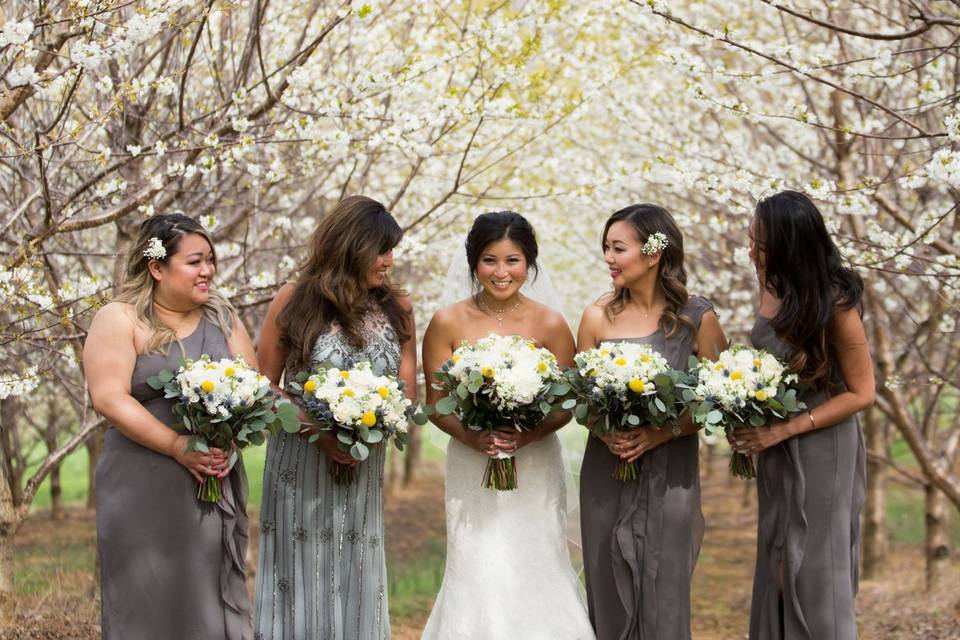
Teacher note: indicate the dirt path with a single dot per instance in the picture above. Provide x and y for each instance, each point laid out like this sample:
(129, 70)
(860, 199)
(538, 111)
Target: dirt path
(54, 563)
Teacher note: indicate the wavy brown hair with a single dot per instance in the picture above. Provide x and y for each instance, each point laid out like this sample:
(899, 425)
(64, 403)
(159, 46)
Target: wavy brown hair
(647, 219)
(331, 286)
(804, 269)
(136, 286)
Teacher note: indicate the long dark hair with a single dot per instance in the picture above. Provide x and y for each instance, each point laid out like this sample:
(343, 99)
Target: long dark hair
(647, 219)
(495, 226)
(332, 284)
(803, 268)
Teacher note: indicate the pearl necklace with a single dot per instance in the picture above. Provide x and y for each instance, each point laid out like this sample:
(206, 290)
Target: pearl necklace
(498, 314)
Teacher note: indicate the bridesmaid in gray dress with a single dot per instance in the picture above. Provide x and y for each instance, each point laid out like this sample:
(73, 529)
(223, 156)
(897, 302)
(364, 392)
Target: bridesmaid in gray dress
(811, 472)
(641, 538)
(322, 571)
(171, 567)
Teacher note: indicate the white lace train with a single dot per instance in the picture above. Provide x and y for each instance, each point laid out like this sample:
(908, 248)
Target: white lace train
(508, 573)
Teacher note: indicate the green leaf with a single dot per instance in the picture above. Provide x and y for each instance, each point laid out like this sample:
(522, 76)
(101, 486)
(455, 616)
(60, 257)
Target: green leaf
(446, 405)
(155, 382)
(344, 437)
(660, 405)
(714, 417)
(165, 376)
(569, 403)
(580, 413)
(419, 418)
(359, 451)
(634, 420)
(757, 420)
(463, 392)
(559, 388)
(374, 436)
(544, 406)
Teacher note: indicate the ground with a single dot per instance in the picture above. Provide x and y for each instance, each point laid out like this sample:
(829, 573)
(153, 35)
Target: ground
(56, 594)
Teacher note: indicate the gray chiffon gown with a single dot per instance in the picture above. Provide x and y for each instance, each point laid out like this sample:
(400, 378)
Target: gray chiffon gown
(322, 573)
(641, 538)
(171, 567)
(811, 491)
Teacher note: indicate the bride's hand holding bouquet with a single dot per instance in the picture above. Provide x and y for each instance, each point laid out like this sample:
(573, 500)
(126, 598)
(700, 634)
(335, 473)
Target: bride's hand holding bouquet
(499, 388)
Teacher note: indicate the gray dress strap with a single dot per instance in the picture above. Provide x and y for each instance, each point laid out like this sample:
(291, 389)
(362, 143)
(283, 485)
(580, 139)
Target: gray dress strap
(171, 567)
(811, 491)
(641, 538)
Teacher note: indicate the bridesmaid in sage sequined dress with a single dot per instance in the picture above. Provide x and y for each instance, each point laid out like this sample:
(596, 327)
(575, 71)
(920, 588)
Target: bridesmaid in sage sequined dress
(171, 567)
(641, 538)
(811, 468)
(321, 572)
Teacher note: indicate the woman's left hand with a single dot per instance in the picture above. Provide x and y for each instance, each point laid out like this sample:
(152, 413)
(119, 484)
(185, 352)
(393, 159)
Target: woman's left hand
(638, 441)
(752, 441)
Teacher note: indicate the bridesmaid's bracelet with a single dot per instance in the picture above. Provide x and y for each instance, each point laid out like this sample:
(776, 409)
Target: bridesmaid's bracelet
(675, 430)
(813, 423)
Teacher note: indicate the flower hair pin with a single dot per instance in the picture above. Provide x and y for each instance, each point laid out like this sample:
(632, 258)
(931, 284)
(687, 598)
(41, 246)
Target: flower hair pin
(656, 242)
(156, 251)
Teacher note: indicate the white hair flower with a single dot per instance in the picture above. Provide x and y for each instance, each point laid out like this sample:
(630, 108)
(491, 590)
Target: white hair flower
(656, 242)
(155, 249)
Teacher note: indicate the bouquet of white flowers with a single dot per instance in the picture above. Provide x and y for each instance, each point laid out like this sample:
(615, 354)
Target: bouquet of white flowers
(626, 386)
(501, 381)
(744, 388)
(360, 407)
(224, 404)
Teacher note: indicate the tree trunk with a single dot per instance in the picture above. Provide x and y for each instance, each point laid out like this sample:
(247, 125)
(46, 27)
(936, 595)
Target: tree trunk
(56, 495)
(937, 538)
(8, 525)
(874, 513)
(412, 459)
(94, 447)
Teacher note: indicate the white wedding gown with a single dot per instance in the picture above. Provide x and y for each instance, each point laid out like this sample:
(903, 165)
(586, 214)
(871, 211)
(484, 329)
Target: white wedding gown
(508, 573)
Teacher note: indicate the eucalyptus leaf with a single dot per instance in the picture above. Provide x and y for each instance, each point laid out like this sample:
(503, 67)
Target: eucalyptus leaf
(359, 451)
(569, 403)
(446, 405)
(714, 417)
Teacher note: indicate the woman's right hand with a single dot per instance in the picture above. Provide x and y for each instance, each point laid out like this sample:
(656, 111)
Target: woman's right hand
(198, 463)
(486, 442)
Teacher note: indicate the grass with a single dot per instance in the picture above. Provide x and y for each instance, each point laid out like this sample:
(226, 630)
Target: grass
(413, 583)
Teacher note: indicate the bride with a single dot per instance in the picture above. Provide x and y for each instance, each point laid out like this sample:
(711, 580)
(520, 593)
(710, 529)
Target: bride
(508, 573)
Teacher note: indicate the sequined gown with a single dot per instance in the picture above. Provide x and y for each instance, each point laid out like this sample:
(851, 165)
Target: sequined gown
(321, 572)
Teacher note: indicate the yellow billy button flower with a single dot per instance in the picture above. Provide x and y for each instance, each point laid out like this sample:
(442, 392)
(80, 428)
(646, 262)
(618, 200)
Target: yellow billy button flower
(736, 375)
(369, 418)
(620, 361)
(207, 386)
(383, 391)
(761, 395)
(487, 372)
(636, 385)
(310, 386)
(229, 372)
